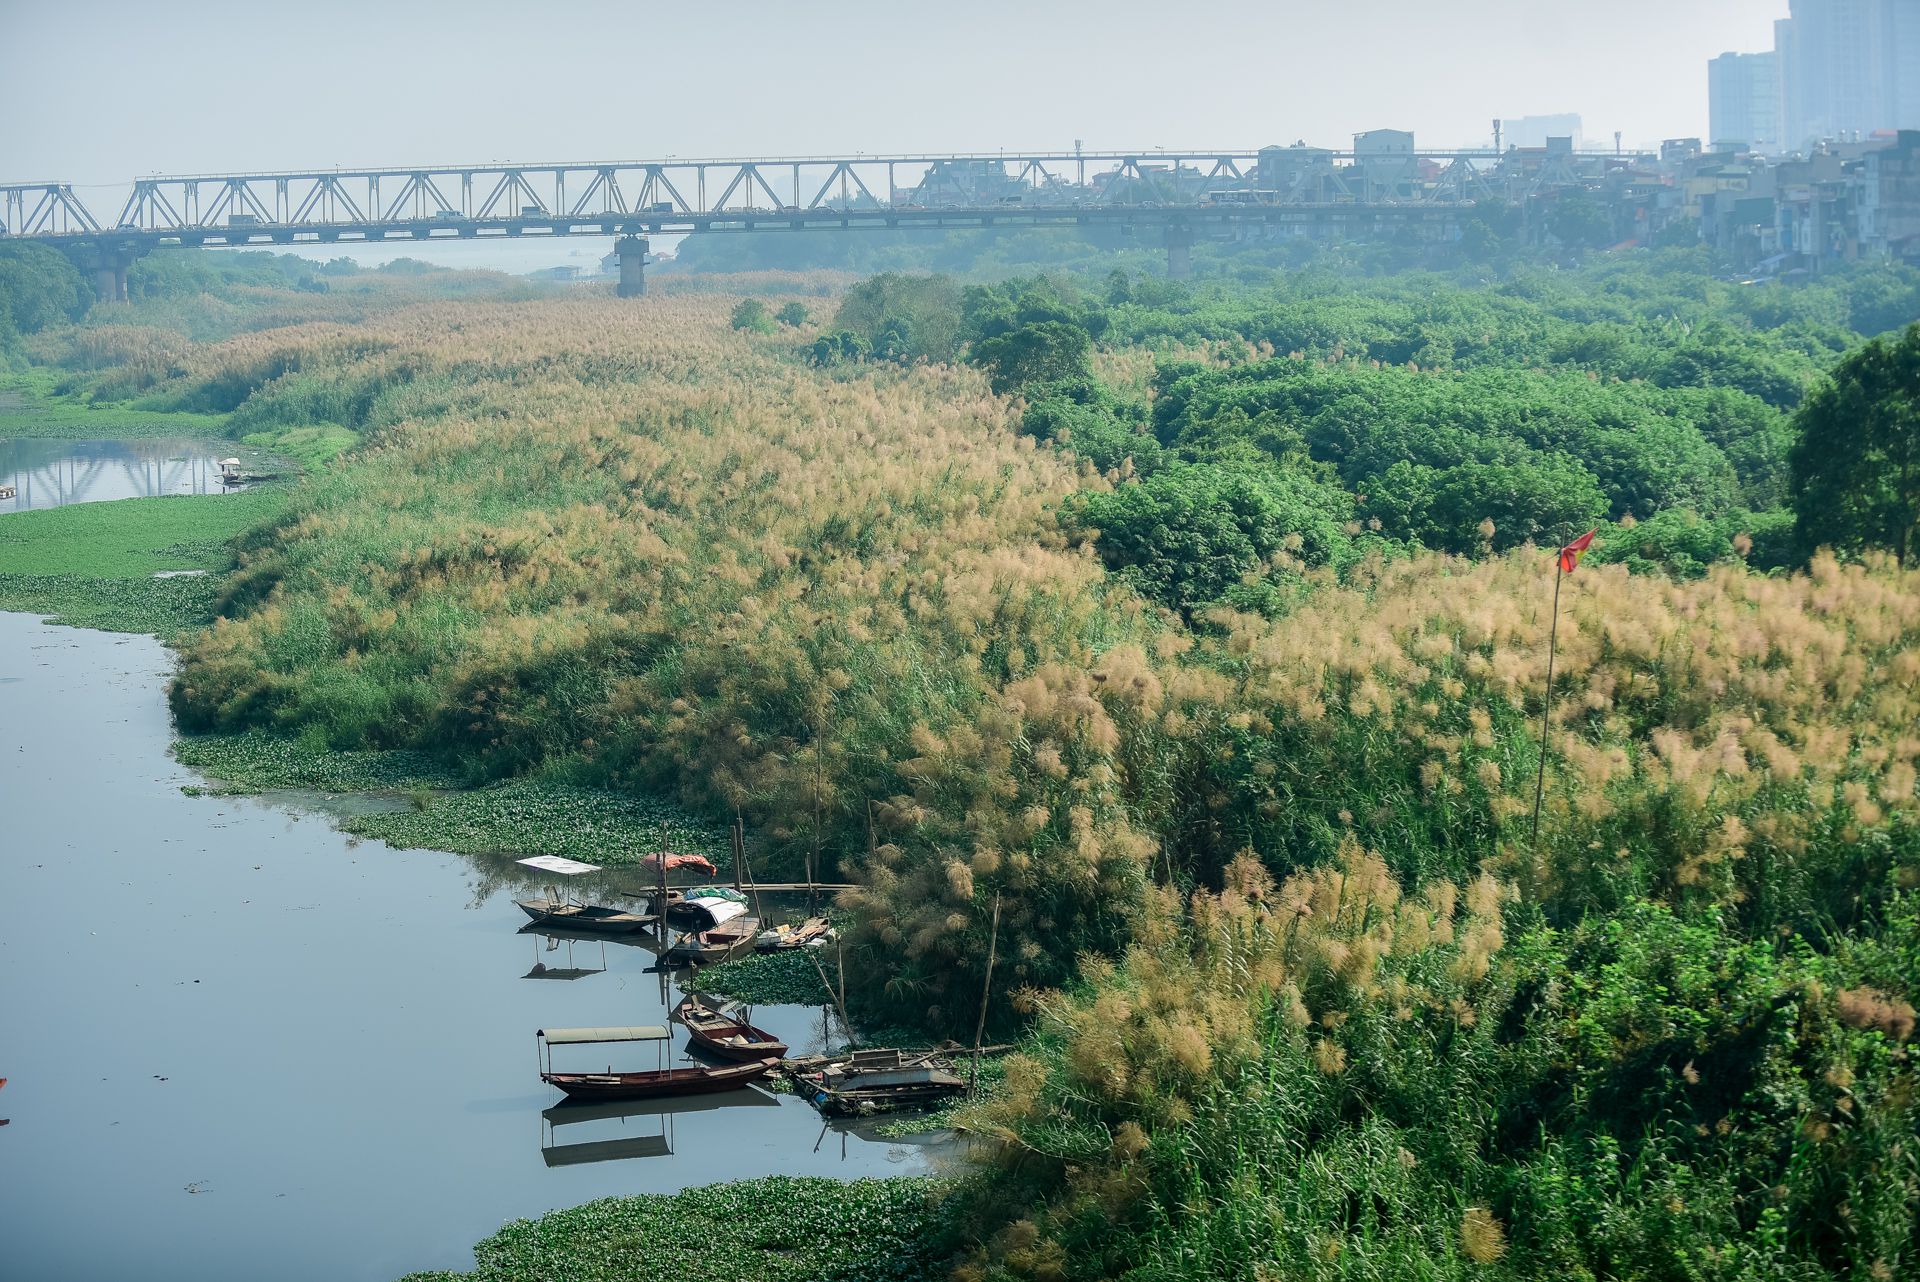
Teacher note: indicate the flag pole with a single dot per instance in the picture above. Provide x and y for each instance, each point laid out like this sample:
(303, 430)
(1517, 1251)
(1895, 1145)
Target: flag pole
(1553, 636)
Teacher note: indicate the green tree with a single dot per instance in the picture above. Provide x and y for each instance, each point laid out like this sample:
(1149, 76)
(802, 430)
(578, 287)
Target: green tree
(1047, 352)
(1544, 500)
(1187, 533)
(38, 287)
(841, 345)
(1578, 221)
(792, 315)
(1855, 462)
(751, 314)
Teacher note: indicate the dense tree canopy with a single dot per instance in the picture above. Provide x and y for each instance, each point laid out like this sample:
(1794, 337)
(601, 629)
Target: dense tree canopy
(1856, 459)
(38, 287)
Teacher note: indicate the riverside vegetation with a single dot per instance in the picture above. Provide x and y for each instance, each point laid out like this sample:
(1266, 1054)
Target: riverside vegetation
(1201, 630)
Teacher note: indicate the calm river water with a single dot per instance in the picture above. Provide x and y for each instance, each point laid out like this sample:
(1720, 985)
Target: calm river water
(242, 1045)
(54, 473)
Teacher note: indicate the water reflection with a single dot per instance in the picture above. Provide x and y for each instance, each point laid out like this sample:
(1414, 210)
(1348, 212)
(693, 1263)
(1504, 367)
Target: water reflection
(259, 1002)
(619, 1129)
(54, 473)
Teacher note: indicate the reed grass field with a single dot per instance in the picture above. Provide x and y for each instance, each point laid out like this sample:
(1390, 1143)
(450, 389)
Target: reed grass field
(1299, 990)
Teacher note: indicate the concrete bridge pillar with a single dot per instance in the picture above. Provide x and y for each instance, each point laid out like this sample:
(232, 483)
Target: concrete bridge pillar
(1179, 251)
(110, 263)
(632, 253)
(107, 263)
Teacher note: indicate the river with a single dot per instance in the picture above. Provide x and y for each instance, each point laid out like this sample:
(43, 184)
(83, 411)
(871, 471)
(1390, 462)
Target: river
(54, 473)
(241, 1044)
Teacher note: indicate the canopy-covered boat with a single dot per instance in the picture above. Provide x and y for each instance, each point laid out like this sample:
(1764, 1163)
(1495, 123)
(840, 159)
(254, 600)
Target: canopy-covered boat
(731, 934)
(694, 905)
(648, 1084)
(877, 1081)
(563, 910)
(724, 1031)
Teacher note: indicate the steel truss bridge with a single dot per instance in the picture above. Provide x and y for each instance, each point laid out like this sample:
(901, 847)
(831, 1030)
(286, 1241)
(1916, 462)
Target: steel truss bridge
(1186, 193)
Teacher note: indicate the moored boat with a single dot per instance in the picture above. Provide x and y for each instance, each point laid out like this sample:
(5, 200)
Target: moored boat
(694, 905)
(730, 934)
(571, 916)
(878, 1081)
(656, 1083)
(719, 1031)
(564, 911)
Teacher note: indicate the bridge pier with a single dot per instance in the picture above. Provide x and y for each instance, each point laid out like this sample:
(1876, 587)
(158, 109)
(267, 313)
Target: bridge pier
(110, 263)
(1179, 238)
(632, 253)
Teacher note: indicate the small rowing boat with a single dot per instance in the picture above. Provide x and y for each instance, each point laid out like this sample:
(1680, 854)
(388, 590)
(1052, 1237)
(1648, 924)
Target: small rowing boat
(718, 1031)
(656, 1083)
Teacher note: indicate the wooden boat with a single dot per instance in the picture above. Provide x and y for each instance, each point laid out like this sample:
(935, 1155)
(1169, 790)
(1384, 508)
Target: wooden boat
(718, 1031)
(656, 1083)
(695, 905)
(731, 934)
(878, 1081)
(565, 915)
(794, 935)
(565, 912)
(660, 1083)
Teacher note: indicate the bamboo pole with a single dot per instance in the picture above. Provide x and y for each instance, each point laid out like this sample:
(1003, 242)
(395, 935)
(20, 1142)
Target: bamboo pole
(986, 992)
(660, 898)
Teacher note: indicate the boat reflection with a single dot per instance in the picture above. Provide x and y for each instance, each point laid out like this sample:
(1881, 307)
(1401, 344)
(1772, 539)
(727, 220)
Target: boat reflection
(651, 1121)
(576, 962)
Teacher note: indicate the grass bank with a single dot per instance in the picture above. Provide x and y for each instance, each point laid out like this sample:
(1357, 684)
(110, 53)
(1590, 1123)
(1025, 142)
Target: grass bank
(93, 564)
(776, 1229)
(30, 406)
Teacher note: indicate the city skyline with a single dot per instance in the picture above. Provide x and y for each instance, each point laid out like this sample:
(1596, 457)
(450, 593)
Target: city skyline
(397, 85)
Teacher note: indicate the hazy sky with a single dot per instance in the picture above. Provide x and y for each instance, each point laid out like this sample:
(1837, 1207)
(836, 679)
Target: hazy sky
(98, 93)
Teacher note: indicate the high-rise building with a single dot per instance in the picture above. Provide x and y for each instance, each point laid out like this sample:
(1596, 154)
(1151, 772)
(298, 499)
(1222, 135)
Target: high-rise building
(1847, 68)
(1743, 98)
(1533, 131)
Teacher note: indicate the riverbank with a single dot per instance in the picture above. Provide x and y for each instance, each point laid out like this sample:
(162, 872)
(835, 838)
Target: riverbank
(32, 407)
(226, 1061)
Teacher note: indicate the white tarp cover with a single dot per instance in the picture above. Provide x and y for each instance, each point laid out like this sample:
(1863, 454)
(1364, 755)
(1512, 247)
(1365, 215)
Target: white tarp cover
(631, 1033)
(554, 863)
(718, 910)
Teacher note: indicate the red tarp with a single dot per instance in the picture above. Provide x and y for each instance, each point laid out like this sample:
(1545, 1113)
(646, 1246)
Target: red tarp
(700, 863)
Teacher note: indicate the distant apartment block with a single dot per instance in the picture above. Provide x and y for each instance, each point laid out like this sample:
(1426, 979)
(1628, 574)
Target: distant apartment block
(1743, 95)
(1847, 69)
(1533, 131)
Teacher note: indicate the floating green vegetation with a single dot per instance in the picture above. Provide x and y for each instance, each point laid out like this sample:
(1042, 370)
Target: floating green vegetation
(775, 1229)
(162, 607)
(770, 979)
(257, 760)
(536, 817)
(30, 407)
(132, 538)
(92, 564)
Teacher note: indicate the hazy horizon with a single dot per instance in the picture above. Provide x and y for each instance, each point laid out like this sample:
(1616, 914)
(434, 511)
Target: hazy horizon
(354, 84)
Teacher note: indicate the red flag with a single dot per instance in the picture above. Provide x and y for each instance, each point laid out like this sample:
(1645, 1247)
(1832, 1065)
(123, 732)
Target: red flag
(1570, 555)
